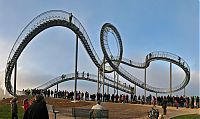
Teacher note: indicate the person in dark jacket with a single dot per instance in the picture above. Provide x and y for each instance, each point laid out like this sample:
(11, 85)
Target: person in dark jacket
(192, 101)
(164, 105)
(37, 110)
(197, 102)
(14, 110)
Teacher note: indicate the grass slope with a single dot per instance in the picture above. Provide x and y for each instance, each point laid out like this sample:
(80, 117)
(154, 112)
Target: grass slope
(5, 111)
(192, 116)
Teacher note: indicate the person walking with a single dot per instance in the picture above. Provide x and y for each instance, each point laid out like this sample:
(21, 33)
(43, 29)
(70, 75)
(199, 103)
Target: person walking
(154, 101)
(14, 109)
(164, 105)
(70, 17)
(192, 102)
(37, 110)
(177, 102)
(197, 102)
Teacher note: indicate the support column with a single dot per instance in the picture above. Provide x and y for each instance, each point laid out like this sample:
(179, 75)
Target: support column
(170, 79)
(114, 82)
(156, 95)
(103, 76)
(135, 89)
(107, 89)
(57, 87)
(76, 61)
(117, 82)
(184, 92)
(15, 80)
(145, 78)
(98, 82)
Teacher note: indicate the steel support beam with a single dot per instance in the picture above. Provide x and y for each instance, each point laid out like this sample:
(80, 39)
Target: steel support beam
(57, 87)
(184, 92)
(103, 76)
(145, 79)
(156, 96)
(107, 89)
(76, 61)
(170, 79)
(117, 82)
(114, 82)
(135, 89)
(15, 80)
(98, 81)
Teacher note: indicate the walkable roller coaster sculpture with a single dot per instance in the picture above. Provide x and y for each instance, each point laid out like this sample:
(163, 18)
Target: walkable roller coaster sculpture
(61, 18)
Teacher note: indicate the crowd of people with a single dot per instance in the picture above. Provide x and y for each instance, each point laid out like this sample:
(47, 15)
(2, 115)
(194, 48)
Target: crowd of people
(40, 104)
(181, 101)
(36, 109)
(177, 101)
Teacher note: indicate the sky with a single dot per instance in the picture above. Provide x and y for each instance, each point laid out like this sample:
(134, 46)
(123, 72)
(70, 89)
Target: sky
(144, 25)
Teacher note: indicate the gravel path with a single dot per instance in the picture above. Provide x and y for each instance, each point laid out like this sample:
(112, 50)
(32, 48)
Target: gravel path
(128, 111)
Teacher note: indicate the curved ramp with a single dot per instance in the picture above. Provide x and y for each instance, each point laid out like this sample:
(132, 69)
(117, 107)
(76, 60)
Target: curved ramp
(61, 18)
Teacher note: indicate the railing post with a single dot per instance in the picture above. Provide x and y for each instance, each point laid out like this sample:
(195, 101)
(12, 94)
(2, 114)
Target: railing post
(15, 79)
(76, 61)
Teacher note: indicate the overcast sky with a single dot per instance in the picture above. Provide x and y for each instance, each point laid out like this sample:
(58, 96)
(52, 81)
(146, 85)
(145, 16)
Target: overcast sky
(144, 25)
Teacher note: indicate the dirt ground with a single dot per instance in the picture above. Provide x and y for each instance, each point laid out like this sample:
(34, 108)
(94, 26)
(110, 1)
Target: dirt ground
(116, 110)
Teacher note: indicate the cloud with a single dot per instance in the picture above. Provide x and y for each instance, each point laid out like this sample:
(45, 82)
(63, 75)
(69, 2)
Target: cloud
(31, 78)
(4, 52)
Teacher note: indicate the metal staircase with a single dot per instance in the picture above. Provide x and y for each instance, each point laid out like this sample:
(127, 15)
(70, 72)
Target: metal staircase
(93, 78)
(61, 18)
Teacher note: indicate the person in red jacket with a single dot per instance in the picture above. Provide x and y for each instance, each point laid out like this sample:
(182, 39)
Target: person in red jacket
(26, 104)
